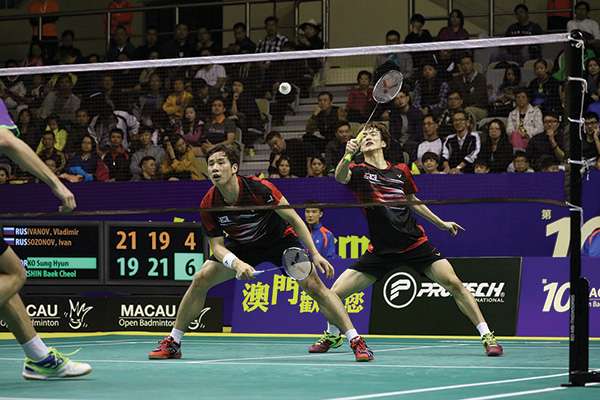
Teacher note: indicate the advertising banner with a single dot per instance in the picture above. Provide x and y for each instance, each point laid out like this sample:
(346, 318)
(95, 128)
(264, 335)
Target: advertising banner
(544, 301)
(407, 303)
(274, 303)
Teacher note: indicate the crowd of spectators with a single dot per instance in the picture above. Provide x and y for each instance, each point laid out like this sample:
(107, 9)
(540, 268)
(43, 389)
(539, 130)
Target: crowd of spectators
(158, 123)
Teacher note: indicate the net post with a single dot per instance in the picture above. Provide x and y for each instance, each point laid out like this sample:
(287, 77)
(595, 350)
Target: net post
(579, 373)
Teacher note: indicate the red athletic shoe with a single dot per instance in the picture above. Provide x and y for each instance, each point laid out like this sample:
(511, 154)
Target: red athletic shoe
(492, 348)
(167, 348)
(361, 350)
(325, 342)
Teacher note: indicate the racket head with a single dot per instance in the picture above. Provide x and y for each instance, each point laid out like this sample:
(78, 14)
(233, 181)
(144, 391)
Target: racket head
(297, 263)
(388, 86)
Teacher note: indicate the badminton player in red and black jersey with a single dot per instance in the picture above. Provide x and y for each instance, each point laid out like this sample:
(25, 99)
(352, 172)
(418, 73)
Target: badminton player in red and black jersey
(242, 239)
(396, 238)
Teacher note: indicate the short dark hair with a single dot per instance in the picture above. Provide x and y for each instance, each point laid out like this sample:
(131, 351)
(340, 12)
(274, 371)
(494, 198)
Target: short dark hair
(430, 155)
(117, 130)
(418, 18)
(68, 32)
(272, 135)
(552, 113)
(455, 91)
(239, 25)
(383, 130)
(326, 93)
(218, 98)
(393, 32)
(309, 204)
(144, 159)
(271, 18)
(591, 115)
(342, 123)
(481, 161)
(541, 61)
(466, 55)
(146, 128)
(546, 160)
(521, 89)
(364, 72)
(5, 169)
(522, 7)
(428, 115)
(520, 153)
(230, 152)
(460, 16)
(583, 3)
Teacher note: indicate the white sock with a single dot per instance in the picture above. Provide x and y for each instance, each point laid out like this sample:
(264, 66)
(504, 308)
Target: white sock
(177, 335)
(35, 349)
(334, 330)
(483, 329)
(351, 334)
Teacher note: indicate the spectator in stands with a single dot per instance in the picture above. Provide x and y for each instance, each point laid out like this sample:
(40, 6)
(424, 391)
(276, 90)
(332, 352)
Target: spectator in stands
(418, 34)
(29, 128)
(61, 101)
(219, 129)
(406, 126)
(49, 41)
(524, 122)
(557, 20)
(551, 142)
(66, 48)
(430, 93)
(335, 149)
(320, 127)
(284, 168)
(242, 43)
(181, 45)
(147, 149)
(204, 41)
(48, 150)
(12, 89)
(473, 87)
(151, 44)
(120, 44)
(4, 174)
(503, 102)
(149, 170)
(461, 149)
(178, 100)
(393, 61)
(273, 41)
(591, 141)
(105, 119)
(36, 92)
(201, 99)
(298, 152)
(192, 129)
(481, 166)
(117, 19)
(589, 27)
(214, 75)
(87, 163)
(455, 103)
(322, 237)
(543, 90)
(60, 134)
(152, 99)
(523, 27)
(520, 163)
(548, 163)
(318, 166)
(592, 76)
(180, 163)
(455, 29)
(117, 157)
(431, 163)
(79, 129)
(360, 98)
(34, 56)
(243, 110)
(308, 39)
(432, 142)
(447, 66)
(496, 150)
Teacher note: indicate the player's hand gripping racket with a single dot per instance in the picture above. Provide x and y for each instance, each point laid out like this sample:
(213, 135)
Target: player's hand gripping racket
(295, 262)
(385, 90)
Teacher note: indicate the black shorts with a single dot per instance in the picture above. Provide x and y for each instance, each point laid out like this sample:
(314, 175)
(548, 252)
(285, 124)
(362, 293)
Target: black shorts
(254, 255)
(3, 246)
(378, 265)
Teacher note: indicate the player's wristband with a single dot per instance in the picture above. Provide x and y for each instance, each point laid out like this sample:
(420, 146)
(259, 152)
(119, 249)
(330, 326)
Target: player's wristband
(229, 259)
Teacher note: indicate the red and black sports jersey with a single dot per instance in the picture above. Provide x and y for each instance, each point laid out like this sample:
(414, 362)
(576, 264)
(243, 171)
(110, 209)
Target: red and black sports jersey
(258, 227)
(391, 229)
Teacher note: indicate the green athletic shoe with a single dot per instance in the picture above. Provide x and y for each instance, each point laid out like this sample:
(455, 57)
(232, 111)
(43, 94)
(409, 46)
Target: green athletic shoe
(491, 346)
(56, 365)
(326, 341)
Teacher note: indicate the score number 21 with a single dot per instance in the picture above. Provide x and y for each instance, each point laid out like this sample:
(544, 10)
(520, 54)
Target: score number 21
(158, 241)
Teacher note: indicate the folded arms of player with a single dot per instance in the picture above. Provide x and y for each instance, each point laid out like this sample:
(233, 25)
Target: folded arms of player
(290, 216)
(23, 155)
(342, 171)
(426, 213)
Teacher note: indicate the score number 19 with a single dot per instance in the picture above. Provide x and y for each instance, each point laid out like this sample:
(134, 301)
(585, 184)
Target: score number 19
(158, 241)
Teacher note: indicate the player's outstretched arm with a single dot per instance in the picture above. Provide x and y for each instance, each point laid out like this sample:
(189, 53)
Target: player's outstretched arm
(292, 217)
(426, 213)
(342, 171)
(230, 260)
(22, 154)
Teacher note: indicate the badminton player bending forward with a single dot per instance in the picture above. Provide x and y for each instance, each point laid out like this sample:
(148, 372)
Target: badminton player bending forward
(396, 239)
(253, 236)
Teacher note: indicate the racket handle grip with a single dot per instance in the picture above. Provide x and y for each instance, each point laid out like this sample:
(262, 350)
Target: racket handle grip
(348, 157)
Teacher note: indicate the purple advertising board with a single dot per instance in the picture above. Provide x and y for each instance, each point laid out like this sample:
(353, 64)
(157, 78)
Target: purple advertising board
(544, 300)
(492, 229)
(274, 303)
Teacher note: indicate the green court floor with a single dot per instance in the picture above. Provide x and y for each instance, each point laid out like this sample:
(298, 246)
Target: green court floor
(232, 367)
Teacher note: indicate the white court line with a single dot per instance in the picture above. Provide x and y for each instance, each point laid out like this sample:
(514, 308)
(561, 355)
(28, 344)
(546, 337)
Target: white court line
(516, 394)
(442, 388)
(30, 398)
